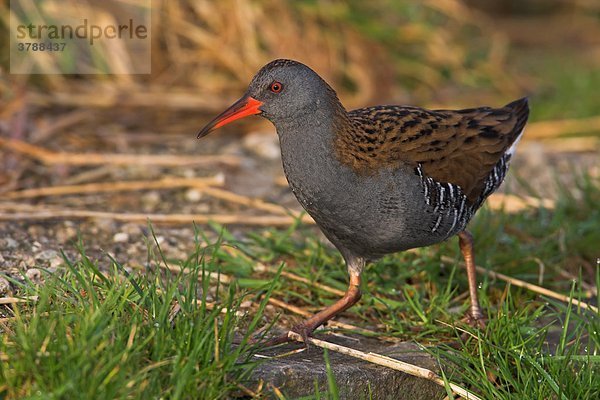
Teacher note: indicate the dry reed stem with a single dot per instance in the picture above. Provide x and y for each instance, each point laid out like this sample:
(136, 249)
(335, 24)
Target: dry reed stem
(591, 290)
(260, 267)
(513, 204)
(388, 362)
(247, 391)
(282, 355)
(203, 51)
(7, 319)
(550, 129)
(276, 391)
(572, 145)
(158, 98)
(266, 268)
(255, 203)
(119, 186)
(60, 123)
(167, 219)
(281, 180)
(203, 184)
(306, 314)
(296, 310)
(212, 275)
(14, 300)
(529, 286)
(52, 157)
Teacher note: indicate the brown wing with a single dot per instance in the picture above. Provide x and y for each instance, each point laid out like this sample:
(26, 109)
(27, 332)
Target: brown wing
(460, 147)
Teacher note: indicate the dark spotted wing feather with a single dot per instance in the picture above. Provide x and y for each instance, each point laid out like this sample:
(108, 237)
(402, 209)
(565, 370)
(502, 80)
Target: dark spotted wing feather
(461, 147)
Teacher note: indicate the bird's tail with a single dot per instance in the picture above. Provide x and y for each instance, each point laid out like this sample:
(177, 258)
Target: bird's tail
(520, 109)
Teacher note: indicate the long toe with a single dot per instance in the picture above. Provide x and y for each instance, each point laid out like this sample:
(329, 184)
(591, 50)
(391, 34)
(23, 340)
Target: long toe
(300, 329)
(304, 330)
(267, 341)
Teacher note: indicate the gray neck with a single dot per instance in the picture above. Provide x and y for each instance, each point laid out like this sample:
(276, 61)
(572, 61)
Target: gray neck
(307, 146)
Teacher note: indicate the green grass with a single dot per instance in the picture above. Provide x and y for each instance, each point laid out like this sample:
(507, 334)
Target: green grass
(113, 335)
(110, 335)
(514, 358)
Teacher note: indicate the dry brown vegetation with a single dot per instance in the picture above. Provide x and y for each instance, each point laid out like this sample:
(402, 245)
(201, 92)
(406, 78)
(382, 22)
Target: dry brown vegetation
(203, 52)
(78, 151)
(59, 131)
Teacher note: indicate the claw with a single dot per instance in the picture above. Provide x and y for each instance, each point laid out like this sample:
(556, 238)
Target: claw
(300, 329)
(475, 319)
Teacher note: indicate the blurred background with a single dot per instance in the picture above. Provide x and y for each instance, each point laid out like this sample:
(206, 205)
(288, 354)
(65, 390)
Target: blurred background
(77, 130)
(107, 166)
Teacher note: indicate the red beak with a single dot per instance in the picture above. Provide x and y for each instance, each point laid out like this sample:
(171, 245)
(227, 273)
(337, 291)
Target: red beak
(242, 108)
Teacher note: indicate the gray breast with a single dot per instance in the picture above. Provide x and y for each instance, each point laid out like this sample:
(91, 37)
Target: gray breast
(375, 215)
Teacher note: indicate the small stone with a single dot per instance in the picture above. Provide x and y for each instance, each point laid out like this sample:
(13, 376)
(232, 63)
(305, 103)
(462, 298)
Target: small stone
(219, 179)
(246, 304)
(10, 243)
(47, 255)
(4, 285)
(131, 229)
(134, 251)
(34, 274)
(193, 195)
(103, 225)
(67, 233)
(201, 208)
(162, 243)
(26, 262)
(121, 237)
(151, 199)
(189, 173)
(35, 230)
(178, 254)
(55, 263)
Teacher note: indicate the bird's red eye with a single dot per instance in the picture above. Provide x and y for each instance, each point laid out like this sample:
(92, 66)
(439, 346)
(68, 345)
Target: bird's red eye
(276, 87)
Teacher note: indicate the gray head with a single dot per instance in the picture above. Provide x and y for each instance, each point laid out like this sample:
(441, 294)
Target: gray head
(282, 90)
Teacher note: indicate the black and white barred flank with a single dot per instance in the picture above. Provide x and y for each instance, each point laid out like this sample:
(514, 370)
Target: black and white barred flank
(449, 201)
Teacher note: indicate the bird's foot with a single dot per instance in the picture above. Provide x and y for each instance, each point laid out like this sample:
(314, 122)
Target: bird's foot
(301, 329)
(306, 328)
(475, 319)
(304, 331)
(270, 342)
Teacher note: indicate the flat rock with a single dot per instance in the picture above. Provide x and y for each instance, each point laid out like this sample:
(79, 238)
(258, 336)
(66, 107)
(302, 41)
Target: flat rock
(295, 374)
